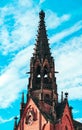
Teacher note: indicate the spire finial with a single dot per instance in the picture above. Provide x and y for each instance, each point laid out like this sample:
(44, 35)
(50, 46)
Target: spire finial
(41, 14)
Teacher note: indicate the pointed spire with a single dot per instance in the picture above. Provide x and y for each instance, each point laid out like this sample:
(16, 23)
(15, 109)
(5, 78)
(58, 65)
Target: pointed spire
(42, 49)
(15, 122)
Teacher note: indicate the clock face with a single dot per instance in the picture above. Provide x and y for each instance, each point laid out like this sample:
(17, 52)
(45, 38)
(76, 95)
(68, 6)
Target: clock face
(29, 117)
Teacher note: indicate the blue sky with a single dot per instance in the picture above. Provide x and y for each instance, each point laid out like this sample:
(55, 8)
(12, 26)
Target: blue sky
(18, 29)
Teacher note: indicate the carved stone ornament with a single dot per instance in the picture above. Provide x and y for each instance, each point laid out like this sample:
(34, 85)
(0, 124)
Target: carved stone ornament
(30, 117)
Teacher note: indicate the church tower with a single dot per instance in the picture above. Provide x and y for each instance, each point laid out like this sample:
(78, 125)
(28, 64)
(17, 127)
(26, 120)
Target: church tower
(43, 111)
(42, 82)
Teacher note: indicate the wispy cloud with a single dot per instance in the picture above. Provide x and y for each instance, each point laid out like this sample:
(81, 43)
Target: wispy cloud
(53, 20)
(13, 79)
(59, 36)
(68, 63)
(20, 33)
(25, 3)
(41, 1)
(5, 120)
(75, 111)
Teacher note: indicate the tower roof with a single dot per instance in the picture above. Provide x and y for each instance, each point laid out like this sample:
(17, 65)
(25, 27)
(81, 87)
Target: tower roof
(42, 49)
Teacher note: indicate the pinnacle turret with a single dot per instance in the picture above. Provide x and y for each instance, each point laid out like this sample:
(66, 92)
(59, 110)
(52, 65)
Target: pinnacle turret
(22, 105)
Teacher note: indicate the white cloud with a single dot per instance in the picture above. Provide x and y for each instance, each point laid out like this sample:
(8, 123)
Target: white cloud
(75, 111)
(23, 28)
(5, 120)
(75, 92)
(59, 36)
(27, 3)
(53, 21)
(69, 64)
(79, 119)
(14, 78)
(42, 1)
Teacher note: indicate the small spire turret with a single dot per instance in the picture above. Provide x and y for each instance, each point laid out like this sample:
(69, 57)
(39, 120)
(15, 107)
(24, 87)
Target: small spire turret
(66, 96)
(22, 105)
(15, 122)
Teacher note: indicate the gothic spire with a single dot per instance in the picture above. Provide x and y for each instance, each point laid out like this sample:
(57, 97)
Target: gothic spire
(42, 49)
(42, 68)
